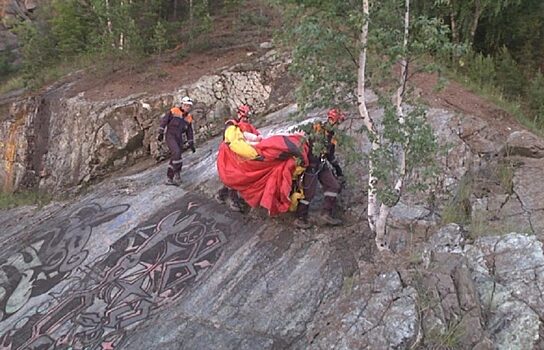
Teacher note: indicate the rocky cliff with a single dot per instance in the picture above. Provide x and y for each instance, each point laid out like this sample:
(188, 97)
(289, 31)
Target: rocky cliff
(59, 140)
(134, 264)
(11, 12)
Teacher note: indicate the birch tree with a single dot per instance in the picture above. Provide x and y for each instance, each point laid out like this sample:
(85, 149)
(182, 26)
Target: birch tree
(378, 211)
(332, 41)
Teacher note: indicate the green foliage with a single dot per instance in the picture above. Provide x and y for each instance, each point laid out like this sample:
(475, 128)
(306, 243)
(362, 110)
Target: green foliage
(64, 31)
(258, 20)
(202, 21)
(71, 24)
(536, 99)
(233, 4)
(12, 84)
(505, 173)
(505, 41)
(458, 209)
(37, 51)
(446, 339)
(5, 64)
(480, 68)
(505, 44)
(517, 89)
(420, 147)
(159, 40)
(325, 36)
(350, 148)
(324, 56)
(11, 200)
(515, 25)
(509, 76)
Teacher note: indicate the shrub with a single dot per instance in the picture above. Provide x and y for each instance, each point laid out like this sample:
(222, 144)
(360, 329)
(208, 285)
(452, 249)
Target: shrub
(535, 97)
(481, 69)
(509, 76)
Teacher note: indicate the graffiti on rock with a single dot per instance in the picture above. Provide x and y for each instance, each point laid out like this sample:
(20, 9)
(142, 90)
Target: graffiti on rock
(144, 270)
(51, 257)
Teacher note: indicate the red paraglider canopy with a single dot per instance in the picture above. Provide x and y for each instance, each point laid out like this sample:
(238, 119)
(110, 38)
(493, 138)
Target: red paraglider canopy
(267, 182)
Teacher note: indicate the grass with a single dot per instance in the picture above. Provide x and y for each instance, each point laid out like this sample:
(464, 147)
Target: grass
(347, 286)
(480, 226)
(12, 84)
(449, 339)
(100, 64)
(17, 199)
(505, 174)
(440, 337)
(495, 96)
(458, 209)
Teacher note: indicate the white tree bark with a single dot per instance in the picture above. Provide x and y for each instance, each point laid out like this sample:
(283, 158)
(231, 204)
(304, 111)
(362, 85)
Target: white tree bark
(453, 23)
(191, 23)
(379, 212)
(477, 13)
(109, 24)
(121, 45)
(400, 93)
(373, 205)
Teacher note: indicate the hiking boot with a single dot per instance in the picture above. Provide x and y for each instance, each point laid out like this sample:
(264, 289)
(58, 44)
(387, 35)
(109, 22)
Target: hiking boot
(232, 205)
(171, 182)
(302, 223)
(177, 179)
(327, 219)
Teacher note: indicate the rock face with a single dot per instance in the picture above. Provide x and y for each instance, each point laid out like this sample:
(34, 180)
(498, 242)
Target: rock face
(525, 144)
(13, 11)
(144, 267)
(137, 265)
(487, 182)
(57, 141)
(484, 295)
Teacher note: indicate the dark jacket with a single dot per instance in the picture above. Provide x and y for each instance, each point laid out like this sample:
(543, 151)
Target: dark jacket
(178, 126)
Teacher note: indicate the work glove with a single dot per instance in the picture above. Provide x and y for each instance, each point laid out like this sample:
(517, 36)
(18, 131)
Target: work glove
(189, 145)
(160, 137)
(338, 170)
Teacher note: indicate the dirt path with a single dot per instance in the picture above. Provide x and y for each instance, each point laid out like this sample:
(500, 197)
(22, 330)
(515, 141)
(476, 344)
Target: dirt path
(456, 97)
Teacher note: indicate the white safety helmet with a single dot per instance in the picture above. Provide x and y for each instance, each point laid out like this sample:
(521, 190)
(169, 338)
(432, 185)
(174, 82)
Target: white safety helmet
(187, 101)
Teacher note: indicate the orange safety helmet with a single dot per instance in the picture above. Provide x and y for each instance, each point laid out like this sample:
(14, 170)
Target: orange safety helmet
(243, 111)
(335, 116)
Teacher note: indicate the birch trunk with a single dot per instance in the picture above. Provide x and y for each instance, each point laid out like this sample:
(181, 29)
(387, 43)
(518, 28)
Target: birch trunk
(453, 23)
(379, 212)
(121, 45)
(400, 93)
(191, 19)
(109, 24)
(373, 205)
(477, 14)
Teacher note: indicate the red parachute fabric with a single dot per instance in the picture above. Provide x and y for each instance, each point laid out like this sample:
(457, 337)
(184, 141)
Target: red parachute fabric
(244, 126)
(266, 183)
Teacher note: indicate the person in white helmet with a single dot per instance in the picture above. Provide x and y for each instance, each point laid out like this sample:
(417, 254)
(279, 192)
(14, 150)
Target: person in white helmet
(177, 124)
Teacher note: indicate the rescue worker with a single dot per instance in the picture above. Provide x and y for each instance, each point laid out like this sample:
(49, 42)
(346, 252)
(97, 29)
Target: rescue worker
(319, 170)
(177, 124)
(242, 145)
